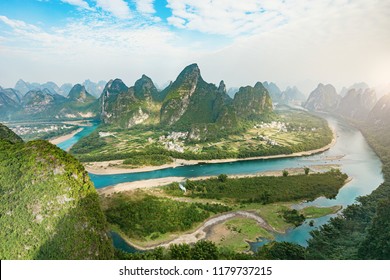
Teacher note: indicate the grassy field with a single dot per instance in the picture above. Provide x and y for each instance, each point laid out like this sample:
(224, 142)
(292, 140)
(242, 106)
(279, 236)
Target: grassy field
(234, 233)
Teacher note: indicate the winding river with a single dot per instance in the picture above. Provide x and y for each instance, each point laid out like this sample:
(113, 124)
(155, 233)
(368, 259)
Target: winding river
(351, 152)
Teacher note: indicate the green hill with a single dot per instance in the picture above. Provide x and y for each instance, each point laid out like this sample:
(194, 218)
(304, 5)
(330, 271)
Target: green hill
(49, 208)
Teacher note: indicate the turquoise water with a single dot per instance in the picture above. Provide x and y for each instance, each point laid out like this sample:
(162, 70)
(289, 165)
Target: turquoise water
(66, 145)
(358, 161)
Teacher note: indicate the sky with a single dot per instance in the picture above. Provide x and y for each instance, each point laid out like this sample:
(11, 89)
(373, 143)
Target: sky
(293, 42)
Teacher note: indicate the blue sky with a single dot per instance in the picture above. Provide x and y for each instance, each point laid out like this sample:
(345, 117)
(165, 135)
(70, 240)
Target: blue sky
(291, 42)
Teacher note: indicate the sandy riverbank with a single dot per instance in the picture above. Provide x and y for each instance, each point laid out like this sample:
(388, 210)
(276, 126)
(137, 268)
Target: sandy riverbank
(142, 184)
(63, 138)
(115, 166)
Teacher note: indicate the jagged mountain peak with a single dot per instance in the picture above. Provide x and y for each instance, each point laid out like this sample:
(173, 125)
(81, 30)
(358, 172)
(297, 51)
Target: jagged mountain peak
(144, 89)
(222, 87)
(191, 72)
(79, 94)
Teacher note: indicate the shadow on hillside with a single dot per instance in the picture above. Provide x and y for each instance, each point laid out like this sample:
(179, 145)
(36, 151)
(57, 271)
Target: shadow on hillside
(80, 235)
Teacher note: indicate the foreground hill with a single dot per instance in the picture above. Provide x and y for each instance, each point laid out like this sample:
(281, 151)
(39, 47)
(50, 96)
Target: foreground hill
(49, 207)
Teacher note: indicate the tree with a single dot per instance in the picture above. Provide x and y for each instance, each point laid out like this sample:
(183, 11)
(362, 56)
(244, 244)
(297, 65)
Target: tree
(222, 177)
(204, 250)
(285, 173)
(307, 170)
(281, 251)
(180, 251)
(376, 246)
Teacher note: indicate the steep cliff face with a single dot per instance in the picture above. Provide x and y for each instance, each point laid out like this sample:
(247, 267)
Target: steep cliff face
(324, 98)
(127, 107)
(356, 104)
(274, 91)
(49, 207)
(108, 99)
(380, 113)
(144, 89)
(79, 104)
(252, 102)
(79, 94)
(179, 93)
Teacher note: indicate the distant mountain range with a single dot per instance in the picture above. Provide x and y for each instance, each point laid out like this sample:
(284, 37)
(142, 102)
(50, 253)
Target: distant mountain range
(93, 88)
(187, 101)
(358, 102)
(291, 95)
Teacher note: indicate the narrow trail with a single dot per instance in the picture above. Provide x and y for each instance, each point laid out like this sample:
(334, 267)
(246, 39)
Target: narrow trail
(201, 232)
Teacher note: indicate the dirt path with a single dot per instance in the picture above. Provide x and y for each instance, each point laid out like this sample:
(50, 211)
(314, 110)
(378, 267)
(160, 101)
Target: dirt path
(202, 231)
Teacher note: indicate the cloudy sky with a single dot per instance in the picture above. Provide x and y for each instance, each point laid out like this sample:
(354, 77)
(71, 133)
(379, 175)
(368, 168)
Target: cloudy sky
(289, 42)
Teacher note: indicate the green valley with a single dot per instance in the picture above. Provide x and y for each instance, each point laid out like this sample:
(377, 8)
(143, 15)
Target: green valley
(242, 209)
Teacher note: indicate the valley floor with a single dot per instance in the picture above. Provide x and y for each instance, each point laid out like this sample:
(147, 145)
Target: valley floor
(117, 167)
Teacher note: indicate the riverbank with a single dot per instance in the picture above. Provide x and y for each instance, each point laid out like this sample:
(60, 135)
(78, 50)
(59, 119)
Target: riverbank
(142, 184)
(202, 231)
(116, 166)
(60, 139)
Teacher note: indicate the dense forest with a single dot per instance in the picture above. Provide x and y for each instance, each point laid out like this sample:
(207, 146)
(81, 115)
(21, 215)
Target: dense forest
(267, 189)
(140, 216)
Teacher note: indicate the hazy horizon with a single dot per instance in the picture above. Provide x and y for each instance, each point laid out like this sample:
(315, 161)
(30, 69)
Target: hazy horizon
(292, 44)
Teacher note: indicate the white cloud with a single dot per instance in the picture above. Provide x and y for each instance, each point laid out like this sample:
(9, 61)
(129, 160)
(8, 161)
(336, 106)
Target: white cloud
(233, 18)
(78, 3)
(95, 46)
(339, 44)
(145, 6)
(18, 24)
(118, 8)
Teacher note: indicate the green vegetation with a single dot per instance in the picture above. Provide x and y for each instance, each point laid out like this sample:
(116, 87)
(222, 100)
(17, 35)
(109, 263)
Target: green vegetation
(285, 132)
(49, 207)
(234, 233)
(143, 217)
(207, 250)
(293, 217)
(6, 134)
(147, 160)
(313, 212)
(265, 190)
(281, 251)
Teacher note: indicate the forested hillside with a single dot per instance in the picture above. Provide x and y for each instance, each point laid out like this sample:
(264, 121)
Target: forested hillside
(49, 208)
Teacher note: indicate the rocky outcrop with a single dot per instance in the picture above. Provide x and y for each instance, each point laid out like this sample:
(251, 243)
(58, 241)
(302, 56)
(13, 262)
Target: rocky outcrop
(380, 113)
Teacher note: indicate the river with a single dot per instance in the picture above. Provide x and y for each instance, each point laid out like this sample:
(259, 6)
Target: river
(351, 152)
